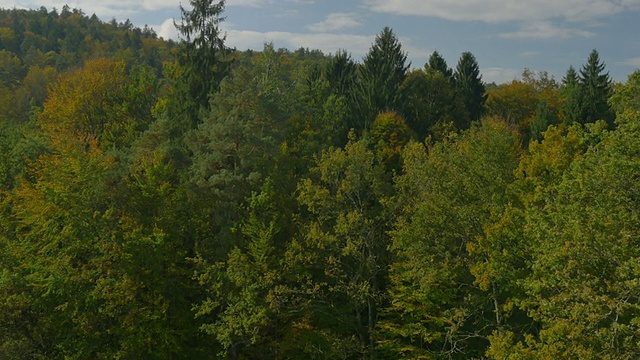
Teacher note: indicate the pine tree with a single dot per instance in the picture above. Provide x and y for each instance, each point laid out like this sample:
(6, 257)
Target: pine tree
(572, 108)
(340, 72)
(341, 106)
(596, 87)
(437, 63)
(469, 86)
(203, 55)
(587, 93)
(541, 121)
(571, 77)
(382, 73)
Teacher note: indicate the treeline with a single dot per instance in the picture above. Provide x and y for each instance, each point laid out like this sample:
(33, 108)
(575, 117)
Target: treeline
(286, 205)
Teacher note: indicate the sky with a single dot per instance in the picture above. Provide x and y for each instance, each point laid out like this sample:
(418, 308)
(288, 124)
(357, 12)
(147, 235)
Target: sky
(506, 36)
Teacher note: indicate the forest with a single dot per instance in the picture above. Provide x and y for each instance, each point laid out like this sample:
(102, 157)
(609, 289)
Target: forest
(186, 200)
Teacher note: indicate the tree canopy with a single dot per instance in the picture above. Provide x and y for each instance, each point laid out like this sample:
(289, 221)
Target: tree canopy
(163, 200)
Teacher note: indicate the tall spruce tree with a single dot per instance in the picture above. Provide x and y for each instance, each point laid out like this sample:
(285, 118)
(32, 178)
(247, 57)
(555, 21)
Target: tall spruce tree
(469, 86)
(340, 72)
(571, 77)
(437, 63)
(572, 108)
(383, 71)
(341, 108)
(596, 88)
(202, 58)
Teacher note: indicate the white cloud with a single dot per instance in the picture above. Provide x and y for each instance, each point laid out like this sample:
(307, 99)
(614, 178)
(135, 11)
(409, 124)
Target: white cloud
(119, 6)
(159, 4)
(261, 3)
(329, 43)
(499, 75)
(336, 22)
(493, 11)
(632, 62)
(545, 30)
(538, 18)
(166, 30)
(250, 3)
(357, 45)
(416, 54)
(289, 14)
(105, 9)
(529, 53)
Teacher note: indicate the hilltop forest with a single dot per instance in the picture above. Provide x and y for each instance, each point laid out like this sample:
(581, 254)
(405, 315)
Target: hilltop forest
(186, 200)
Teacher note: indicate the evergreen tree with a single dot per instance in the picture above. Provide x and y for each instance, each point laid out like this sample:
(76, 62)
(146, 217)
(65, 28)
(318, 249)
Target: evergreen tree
(541, 121)
(571, 77)
(203, 55)
(340, 108)
(340, 72)
(572, 108)
(382, 73)
(437, 63)
(596, 87)
(469, 86)
(232, 150)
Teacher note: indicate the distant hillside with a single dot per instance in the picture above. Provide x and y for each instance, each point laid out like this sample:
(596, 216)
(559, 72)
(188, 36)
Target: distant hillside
(37, 45)
(67, 38)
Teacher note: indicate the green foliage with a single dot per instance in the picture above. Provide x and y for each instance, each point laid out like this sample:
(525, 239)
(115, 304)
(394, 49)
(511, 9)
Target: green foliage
(541, 121)
(587, 93)
(11, 70)
(430, 102)
(343, 248)
(275, 206)
(203, 55)
(596, 89)
(583, 268)
(469, 86)
(626, 99)
(341, 107)
(65, 40)
(383, 71)
(99, 277)
(388, 135)
(445, 296)
(340, 72)
(250, 308)
(571, 77)
(438, 63)
(232, 150)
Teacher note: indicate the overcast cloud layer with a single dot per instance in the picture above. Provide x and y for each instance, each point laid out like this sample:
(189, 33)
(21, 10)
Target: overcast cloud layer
(505, 35)
(505, 10)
